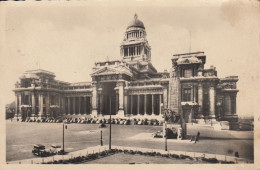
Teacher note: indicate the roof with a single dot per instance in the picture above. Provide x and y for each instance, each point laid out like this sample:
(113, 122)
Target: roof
(136, 23)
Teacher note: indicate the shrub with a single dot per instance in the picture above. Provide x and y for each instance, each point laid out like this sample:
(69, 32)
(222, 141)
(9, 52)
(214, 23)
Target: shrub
(158, 154)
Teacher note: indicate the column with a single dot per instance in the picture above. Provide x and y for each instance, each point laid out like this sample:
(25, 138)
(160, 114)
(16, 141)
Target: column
(117, 101)
(160, 101)
(40, 105)
(121, 112)
(131, 104)
(94, 99)
(85, 105)
(212, 101)
(16, 105)
(138, 104)
(152, 104)
(235, 105)
(33, 104)
(47, 105)
(192, 93)
(126, 103)
(145, 101)
(195, 94)
(20, 103)
(227, 104)
(200, 100)
(74, 105)
(62, 105)
(80, 105)
(69, 105)
(165, 98)
(101, 103)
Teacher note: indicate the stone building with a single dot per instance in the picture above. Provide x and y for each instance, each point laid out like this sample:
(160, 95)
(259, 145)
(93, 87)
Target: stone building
(131, 86)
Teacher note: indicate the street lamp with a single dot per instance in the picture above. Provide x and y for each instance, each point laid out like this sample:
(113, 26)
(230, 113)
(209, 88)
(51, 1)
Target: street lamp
(165, 125)
(63, 148)
(110, 123)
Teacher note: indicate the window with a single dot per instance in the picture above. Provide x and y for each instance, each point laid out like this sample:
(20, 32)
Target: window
(125, 51)
(187, 95)
(138, 50)
(187, 73)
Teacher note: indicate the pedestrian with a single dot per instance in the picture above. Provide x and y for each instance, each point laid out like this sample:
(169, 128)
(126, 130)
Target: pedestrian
(195, 140)
(198, 136)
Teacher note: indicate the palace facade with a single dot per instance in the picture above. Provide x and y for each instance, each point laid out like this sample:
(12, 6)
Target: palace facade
(131, 87)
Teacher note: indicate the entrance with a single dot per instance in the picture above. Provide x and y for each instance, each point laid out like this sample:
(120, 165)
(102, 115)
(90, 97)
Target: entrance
(108, 93)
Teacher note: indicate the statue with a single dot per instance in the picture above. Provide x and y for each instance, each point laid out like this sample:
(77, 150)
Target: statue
(171, 116)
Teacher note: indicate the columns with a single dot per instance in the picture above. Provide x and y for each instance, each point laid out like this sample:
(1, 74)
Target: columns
(145, 102)
(212, 101)
(227, 104)
(200, 100)
(152, 104)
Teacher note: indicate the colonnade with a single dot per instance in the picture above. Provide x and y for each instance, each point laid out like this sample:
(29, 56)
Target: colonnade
(144, 104)
(77, 105)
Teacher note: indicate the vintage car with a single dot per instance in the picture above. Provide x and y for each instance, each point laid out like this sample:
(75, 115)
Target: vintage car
(158, 134)
(56, 149)
(39, 150)
(102, 125)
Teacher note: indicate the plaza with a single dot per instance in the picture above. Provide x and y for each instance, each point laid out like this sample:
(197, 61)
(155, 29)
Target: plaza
(21, 136)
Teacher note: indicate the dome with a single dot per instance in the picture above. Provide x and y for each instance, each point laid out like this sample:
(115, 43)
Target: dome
(136, 23)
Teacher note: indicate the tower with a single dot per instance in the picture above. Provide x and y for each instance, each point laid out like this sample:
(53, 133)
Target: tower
(135, 49)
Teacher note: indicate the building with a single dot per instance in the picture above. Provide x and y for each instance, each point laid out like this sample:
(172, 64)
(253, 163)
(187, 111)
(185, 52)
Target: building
(131, 87)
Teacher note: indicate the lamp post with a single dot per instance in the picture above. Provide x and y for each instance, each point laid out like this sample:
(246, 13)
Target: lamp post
(101, 141)
(63, 151)
(110, 124)
(165, 125)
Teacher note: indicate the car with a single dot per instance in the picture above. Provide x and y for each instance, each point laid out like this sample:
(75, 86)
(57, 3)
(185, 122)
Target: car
(102, 125)
(158, 134)
(38, 149)
(56, 149)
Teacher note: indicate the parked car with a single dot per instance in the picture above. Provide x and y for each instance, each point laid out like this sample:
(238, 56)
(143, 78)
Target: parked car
(39, 150)
(56, 149)
(158, 134)
(102, 125)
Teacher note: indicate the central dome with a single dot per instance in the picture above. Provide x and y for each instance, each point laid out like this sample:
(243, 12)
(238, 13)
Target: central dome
(136, 23)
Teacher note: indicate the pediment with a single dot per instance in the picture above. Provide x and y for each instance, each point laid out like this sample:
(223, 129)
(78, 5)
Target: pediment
(105, 71)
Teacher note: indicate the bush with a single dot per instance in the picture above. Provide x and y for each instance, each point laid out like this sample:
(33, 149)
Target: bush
(211, 160)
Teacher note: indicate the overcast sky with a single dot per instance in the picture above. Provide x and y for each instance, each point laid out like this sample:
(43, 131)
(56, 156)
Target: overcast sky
(67, 38)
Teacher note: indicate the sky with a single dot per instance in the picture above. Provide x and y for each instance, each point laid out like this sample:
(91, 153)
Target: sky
(67, 38)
